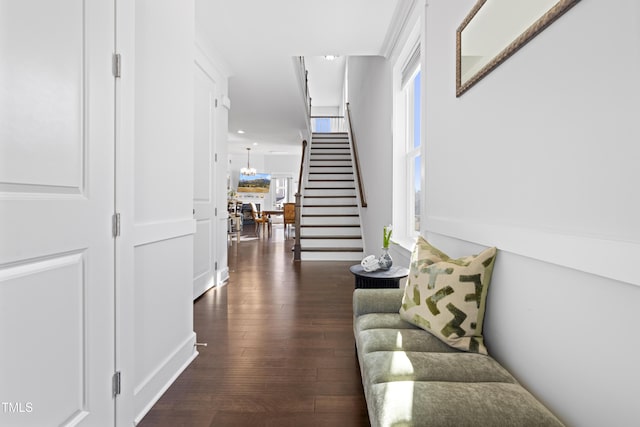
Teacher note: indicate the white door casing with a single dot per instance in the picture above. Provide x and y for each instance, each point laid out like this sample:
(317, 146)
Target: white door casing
(204, 197)
(56, 207)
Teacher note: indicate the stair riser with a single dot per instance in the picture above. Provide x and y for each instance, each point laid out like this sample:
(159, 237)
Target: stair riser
(316, 168)
(327, 152)
(330, 220)
(329, 202)
(327, 138)
(314, 177)
(319, 142)
(330, 210)
(330, 231)
(317, 162)
(334, 192)
(330, 243)
(331, 145)
(331, 256)
(325, 155)
(331, 184)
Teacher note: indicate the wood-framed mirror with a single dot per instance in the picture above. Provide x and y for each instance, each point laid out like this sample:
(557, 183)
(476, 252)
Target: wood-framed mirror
(495, 29)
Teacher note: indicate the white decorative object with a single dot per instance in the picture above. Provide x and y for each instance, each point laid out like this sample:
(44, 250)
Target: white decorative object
(370, 263)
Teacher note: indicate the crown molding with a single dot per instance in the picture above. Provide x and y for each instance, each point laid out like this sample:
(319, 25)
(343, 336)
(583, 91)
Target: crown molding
(401, 20)
(207, 52)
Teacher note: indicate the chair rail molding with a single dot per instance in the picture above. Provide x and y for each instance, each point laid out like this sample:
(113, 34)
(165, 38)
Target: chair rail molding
(613, 259)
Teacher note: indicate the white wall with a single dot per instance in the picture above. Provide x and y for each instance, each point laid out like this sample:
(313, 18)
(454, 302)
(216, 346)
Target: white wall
(163, 197)
(539, 159)
(371, 104)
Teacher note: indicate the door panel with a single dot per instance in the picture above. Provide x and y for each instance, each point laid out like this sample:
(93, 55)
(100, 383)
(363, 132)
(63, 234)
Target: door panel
(204, 193)
(42, 66)
(56, 203)
(56, 326)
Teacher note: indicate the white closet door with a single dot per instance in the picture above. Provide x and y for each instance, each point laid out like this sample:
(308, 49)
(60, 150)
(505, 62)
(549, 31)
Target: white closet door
(56, 206)
(204, 251)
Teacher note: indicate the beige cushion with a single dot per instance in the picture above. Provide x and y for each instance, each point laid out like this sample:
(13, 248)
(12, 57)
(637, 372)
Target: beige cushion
(447, 297)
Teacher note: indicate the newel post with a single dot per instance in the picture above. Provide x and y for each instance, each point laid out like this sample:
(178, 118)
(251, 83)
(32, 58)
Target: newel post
(296, 245)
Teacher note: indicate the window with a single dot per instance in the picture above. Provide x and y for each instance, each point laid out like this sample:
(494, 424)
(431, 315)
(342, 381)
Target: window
(322, 125)
(412, 156)
(408, 159)
(280, 191)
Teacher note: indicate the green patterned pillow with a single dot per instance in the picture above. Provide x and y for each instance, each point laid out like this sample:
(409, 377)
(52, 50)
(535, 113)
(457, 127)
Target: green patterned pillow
(447, 296)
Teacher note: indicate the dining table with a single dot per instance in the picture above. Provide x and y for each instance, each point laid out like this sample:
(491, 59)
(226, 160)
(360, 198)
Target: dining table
(269, 213)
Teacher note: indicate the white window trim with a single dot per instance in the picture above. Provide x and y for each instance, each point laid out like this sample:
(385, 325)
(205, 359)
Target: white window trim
(411, 152)
(402, 219)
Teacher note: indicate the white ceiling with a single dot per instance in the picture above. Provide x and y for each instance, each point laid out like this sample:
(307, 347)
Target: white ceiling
(258, 40)
(326, 80)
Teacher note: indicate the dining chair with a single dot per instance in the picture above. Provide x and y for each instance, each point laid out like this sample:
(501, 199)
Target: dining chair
(259, 220)
(289, 216)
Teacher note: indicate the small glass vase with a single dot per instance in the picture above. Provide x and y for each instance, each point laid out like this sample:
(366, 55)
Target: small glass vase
(385, 260)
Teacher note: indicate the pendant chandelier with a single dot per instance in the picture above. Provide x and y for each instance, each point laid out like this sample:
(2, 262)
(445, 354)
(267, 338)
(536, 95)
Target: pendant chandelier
(248, 170)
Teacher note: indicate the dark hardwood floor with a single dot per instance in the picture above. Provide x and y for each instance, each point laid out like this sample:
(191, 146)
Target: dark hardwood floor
(281, 348)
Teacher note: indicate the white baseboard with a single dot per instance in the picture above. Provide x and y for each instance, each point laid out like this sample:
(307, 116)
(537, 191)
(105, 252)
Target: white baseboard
(223, 276)
(149, 391)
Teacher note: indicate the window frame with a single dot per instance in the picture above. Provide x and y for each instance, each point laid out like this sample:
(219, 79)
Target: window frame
(404, 153)
(412, 151)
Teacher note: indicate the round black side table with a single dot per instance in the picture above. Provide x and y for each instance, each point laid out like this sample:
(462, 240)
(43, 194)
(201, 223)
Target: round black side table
(380, 278)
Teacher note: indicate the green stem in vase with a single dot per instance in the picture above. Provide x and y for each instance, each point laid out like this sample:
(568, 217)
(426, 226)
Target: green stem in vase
(386, 236)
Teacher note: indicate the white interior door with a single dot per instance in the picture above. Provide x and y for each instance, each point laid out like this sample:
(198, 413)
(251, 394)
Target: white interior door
(56, 205)
(204, 251)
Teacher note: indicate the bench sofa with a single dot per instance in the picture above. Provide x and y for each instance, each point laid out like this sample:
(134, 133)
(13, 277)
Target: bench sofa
(411, 378)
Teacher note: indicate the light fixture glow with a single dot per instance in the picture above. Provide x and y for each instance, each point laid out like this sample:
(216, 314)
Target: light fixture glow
(240, 131)
(248, 170)
(330, 57)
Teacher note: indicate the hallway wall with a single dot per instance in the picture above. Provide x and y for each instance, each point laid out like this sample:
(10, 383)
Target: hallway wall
(371, 105)
(163, 192)
(539, 159)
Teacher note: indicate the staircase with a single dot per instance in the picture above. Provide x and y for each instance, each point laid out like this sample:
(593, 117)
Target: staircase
(330, 222)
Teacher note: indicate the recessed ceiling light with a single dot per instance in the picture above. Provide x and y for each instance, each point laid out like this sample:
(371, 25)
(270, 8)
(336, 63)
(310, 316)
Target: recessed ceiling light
(240, 131)
(330, 57)
(255, 143)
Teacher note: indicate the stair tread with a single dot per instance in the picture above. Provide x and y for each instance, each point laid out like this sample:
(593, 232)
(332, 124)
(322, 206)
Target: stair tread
(332, 237)
(332, 249)
(330, 197)
(330, 173)
(330, 180)
(329, 215)
(330, 206)
(329, 188)
(330, 225)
